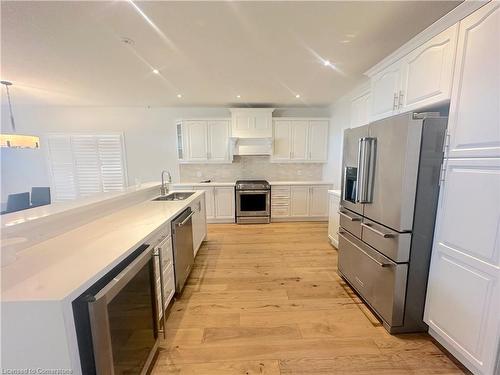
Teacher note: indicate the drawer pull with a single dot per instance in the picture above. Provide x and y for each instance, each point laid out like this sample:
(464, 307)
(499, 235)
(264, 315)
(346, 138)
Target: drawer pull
(381, 234)
(350, 218)
(364, 252)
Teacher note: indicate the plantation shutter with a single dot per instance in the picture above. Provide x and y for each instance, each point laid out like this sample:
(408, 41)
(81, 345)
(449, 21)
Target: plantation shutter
(83, 165)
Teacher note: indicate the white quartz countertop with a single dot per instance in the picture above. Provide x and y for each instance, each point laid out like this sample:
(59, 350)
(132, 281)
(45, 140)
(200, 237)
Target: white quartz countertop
(187, 184)
(62, 267)
(334, 192)
(285, 183)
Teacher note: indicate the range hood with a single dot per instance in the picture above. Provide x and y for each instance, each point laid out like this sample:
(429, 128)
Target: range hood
(251, 146)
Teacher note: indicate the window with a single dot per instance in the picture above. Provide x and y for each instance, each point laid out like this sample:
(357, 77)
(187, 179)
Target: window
(82, 165)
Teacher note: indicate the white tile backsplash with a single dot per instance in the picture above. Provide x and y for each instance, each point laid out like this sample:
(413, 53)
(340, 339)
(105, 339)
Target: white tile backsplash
(251, 167)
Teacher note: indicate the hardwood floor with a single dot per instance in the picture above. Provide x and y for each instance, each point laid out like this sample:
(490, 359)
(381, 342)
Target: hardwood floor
(266, 299)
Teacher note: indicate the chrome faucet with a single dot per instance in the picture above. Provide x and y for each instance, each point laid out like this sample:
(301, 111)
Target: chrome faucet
(164, 188)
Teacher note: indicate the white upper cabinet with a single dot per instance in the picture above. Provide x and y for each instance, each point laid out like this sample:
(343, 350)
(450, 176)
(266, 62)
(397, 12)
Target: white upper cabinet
(474, 123)
(300, 140)
(421, 78)
(318, 141)
(203, 141)
(427, 72)
(197, 140)
(252, 122)
(385, 92)
(360, 110)
(282, 145)
(300, 131)
(218, 136)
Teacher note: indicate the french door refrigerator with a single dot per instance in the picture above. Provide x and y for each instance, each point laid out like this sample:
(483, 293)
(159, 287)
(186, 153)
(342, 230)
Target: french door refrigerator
(390, 185)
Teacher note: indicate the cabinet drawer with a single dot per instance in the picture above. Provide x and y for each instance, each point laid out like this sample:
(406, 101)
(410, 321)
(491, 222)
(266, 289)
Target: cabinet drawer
(350, 221)
(280, 191)
(380, 281)
(280, 211)
(392, 244)
(280, 201)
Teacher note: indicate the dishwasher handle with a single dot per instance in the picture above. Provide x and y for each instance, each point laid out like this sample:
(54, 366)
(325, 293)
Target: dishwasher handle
(185, 220)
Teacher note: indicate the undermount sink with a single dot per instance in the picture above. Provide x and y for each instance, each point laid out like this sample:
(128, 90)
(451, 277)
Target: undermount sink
(173, 197)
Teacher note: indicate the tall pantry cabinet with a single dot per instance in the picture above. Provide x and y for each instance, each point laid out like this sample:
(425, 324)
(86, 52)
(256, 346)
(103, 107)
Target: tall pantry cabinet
(463, 298)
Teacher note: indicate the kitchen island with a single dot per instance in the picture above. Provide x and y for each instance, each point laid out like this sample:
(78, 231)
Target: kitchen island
(39, 287)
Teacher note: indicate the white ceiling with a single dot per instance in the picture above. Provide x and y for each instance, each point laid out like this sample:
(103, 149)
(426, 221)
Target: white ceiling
(71, 53)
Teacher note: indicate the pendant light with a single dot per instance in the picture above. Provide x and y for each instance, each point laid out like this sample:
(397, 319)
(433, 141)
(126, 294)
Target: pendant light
(15, 140)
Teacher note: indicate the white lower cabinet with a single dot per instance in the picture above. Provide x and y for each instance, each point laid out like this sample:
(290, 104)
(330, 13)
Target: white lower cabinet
(199, 223)
(463, 296)
(333, 218)
(224, 203)
(209, 201)
(299, 202)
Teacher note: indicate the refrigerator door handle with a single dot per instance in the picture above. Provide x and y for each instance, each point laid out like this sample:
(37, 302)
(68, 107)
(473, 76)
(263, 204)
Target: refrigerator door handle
(381, 234)
(366, 169)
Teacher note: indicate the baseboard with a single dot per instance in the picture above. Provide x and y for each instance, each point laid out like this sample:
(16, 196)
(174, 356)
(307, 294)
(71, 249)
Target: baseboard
(334, 242)
(220, 221)
(299, 218)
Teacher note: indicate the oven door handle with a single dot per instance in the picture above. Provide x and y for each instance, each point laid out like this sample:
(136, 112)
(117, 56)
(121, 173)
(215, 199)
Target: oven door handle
(253, 192)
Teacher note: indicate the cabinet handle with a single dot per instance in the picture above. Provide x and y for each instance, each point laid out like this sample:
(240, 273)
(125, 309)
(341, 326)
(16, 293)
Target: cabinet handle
(395, 101)
(401, 97)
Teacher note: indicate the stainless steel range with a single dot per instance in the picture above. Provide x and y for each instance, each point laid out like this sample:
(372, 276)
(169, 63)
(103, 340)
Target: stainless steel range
(253, 202)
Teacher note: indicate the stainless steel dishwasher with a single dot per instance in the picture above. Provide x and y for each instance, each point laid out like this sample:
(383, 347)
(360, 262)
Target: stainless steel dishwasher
(182, 240)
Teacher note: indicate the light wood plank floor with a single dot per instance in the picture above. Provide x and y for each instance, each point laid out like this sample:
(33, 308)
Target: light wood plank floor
(266, 299)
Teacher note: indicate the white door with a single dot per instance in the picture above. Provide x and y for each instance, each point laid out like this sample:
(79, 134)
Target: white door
(463, 296)
(299, 201)
(385, 92)
(209, 201)
(224, 202)
(360, 110)
(428, 71)
(282, 141)
(299, 131)
(318, 204)
(218, 139)
(196, 141)
(318, 140)
(474, 122)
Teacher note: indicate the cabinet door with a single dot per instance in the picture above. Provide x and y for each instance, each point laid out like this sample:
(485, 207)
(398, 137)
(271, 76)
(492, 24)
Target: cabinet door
(475, 101)
(199, 223)
(385, 92)
(197, 145)
(360, 110)
(263, 124)
(318, 141)
(428, 70)
(224, 202)
(299, 130)
(318, 205)
(299, 201)
(218, 139)
(282, 141)
(209, 201)
(333, 219)
(463, 296)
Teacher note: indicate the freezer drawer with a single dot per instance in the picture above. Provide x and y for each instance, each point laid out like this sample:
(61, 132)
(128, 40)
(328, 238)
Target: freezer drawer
(392, 244)
(350, 221)
(380, 281)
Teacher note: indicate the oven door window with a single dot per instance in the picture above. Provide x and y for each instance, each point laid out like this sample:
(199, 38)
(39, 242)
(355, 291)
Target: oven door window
(253, 202)
(131, 323)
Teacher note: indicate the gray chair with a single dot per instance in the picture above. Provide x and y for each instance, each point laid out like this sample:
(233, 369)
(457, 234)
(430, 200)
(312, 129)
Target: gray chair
(18, 202)
(40, 196)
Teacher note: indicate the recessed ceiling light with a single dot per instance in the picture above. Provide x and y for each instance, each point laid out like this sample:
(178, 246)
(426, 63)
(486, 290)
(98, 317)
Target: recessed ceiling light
(326, 63)
(345, 41)
(128, 41)
(179, 96)
(238, 96)
(156, 71)
(297, 96)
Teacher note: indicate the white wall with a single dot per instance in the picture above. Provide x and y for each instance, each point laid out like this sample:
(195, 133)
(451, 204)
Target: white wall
(340, 119)
(149, 134)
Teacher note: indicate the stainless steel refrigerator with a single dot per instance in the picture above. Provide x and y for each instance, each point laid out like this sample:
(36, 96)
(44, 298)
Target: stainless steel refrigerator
(390, 185)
